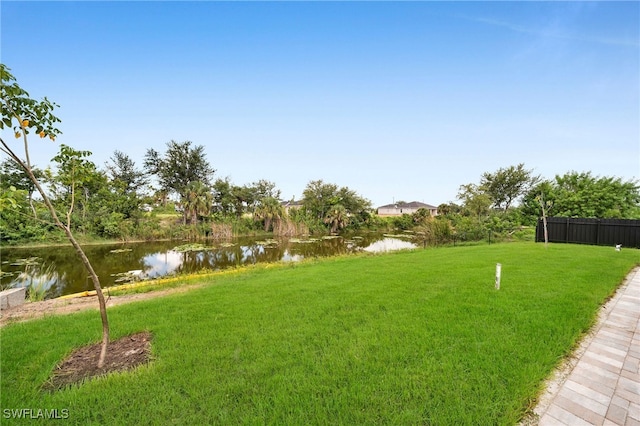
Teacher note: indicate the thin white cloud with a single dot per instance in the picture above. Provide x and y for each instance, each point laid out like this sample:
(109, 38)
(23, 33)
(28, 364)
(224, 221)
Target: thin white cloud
(559, 34)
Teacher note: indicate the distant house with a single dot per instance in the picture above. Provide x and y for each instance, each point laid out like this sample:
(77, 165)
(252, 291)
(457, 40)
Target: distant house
(398, 209)
(288, 205)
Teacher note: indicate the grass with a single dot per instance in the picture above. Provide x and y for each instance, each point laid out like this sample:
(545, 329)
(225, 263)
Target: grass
(417, 337)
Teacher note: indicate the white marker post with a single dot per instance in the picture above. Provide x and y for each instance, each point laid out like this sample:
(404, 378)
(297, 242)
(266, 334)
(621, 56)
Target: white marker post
(498, 273)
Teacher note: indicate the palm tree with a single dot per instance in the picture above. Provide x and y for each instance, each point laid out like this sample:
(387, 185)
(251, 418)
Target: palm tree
(197, 201)
(269, 209)
(337, 217)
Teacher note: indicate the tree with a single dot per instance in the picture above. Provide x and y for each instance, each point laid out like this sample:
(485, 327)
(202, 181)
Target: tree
(197, 201)
(14, 219)
(9, 196)
(584, 195)
(447, 209)
(421, 216)
(318, 197)
(12, 175)
(179, 166)
(337, 218)
(353, 203)
(265, 189)
(531, 202)
(122, 171)
(79, 178)
(243, 198)
(269, 210)
(261, 190)
(223, 199)
(475, 199)
(126, 182)
(24, 115)
(507, 185)
(544, 205)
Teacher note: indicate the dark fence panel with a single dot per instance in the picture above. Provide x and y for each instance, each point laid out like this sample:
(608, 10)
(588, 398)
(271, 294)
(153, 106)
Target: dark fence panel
(603, 232)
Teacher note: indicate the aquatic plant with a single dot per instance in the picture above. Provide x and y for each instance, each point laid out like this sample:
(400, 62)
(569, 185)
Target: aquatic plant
(192, 247)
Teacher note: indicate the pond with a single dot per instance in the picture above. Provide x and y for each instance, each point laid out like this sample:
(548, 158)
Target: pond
(57, 270)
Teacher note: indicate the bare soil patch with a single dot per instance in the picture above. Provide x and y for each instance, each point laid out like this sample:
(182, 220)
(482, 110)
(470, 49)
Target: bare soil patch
(123, 354)
(35, 310)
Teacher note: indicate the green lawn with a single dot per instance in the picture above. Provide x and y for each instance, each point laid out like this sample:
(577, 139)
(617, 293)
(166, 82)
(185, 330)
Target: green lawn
(417, 337)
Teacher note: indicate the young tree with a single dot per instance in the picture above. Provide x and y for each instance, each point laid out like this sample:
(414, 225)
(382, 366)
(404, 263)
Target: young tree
(544, 205)
(24, 115)
(79, 178)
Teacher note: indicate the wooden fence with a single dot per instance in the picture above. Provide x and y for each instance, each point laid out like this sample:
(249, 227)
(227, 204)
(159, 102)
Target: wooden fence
(603, 232)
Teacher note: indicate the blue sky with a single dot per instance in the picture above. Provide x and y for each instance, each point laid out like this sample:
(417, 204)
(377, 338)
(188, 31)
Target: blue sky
(396, 100)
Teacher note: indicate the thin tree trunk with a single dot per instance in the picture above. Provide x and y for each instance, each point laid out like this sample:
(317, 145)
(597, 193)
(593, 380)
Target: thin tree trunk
(85, 261)
(76, 246)
(73, 201)
(33, 208)
(544, 221)
(101, 301)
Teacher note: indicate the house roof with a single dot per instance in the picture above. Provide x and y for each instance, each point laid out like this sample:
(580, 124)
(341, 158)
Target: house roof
(411, 205)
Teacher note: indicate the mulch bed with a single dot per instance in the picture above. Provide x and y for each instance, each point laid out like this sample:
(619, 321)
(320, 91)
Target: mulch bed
(122, 354)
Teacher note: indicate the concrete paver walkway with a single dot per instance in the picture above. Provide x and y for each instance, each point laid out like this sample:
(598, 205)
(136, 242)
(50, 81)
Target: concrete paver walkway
(603, 387)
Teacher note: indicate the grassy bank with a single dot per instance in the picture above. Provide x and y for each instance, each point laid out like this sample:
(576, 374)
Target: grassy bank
(416, 337)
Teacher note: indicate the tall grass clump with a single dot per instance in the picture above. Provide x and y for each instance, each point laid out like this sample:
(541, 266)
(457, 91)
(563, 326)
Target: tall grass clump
(417, 337)
(36, 291)
(289, 228)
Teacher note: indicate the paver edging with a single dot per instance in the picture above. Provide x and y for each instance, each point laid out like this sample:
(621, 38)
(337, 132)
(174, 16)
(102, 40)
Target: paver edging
(554, 384)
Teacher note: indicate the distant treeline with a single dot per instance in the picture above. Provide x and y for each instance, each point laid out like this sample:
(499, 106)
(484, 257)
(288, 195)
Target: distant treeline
(174, 195)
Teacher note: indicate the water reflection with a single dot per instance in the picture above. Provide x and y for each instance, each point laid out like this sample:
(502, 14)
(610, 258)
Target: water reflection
(288, 257)
(59, 272)
(38, 278)
(161, 264)
(389, 244)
